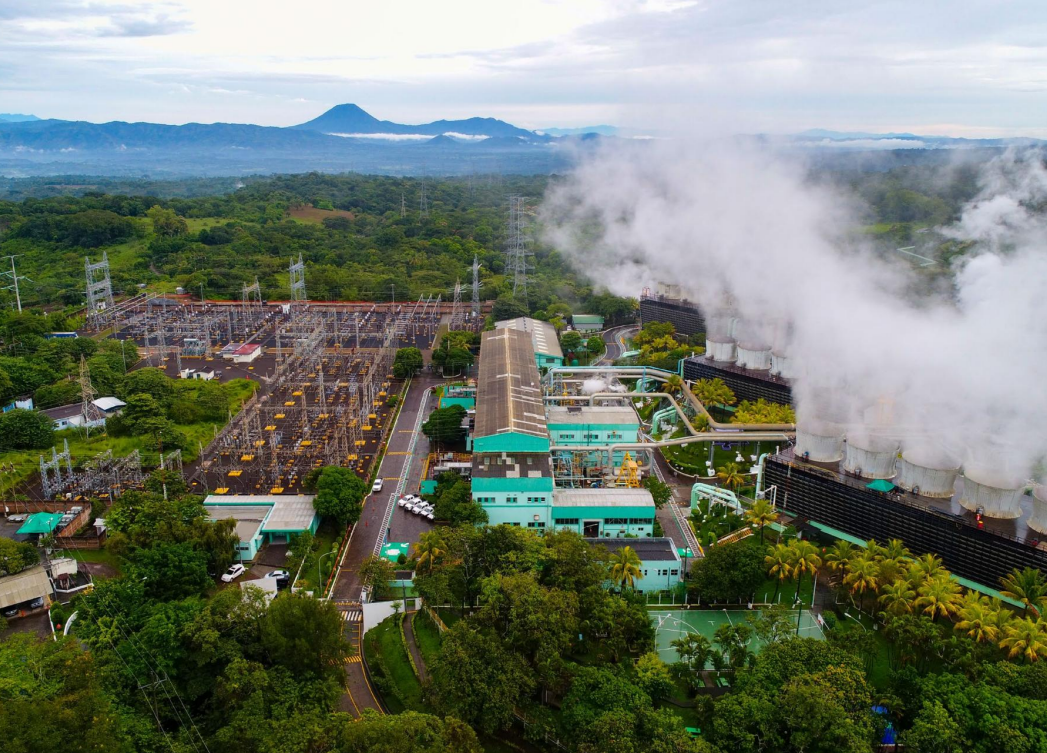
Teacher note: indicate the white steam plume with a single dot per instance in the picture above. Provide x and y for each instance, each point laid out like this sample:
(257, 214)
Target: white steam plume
(744, 231)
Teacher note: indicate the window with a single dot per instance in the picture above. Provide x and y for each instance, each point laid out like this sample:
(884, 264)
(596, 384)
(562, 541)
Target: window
(516, 525)
(616, 522)
(674, 572)
(532, 524)
(566, 521)
(639, 521)
(511, 500)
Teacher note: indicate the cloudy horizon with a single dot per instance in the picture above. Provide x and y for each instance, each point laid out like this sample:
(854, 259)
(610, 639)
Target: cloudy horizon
(935, 68)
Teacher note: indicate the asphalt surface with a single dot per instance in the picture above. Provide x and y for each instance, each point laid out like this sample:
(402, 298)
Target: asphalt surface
(614, 340)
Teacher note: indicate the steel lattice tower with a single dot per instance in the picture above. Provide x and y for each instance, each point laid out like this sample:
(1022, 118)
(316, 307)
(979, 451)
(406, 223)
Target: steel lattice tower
(476, 287)
(87, 395)
(423, 203)
(99, 286)
(456, 307)
(518, 253)
(297, 272)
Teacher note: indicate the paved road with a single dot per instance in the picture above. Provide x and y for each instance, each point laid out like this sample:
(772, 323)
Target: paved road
(673, 516)
(614, 340)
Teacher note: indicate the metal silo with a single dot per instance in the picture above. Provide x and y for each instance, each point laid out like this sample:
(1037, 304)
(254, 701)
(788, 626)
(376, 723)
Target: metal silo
(926, 472)
(870, 456)
(819, 441)
(754, 355)
(992, 493)
(1038, 521)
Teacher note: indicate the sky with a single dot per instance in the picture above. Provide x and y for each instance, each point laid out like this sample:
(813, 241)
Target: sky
(960, 68)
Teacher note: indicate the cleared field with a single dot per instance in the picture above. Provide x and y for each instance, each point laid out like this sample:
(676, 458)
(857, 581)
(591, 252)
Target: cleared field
(317, 216)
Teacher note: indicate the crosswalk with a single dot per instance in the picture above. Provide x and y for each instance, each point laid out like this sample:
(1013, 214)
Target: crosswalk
(353, 615)
(354, 659)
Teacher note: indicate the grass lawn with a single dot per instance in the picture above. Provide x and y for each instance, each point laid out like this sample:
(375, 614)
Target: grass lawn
(427, 636)
(391, 668)
(692, 458)
(325, 537)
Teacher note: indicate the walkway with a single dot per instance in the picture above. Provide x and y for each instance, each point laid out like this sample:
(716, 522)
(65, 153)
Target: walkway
(412, 646)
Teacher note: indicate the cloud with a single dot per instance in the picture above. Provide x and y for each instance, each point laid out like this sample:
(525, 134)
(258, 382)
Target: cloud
(131, 26)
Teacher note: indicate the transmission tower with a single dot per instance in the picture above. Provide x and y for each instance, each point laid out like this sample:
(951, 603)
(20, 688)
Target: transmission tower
(15, 277)
(423, 203)
(297, 270)
(476, 287)
(87, 396)
(251, 292)
(403, 205)
(99, 286)
(518, 252)
(456, 308)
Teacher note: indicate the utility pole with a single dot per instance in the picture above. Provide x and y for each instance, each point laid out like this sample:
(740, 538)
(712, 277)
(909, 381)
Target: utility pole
(476, 287)
(14, 282)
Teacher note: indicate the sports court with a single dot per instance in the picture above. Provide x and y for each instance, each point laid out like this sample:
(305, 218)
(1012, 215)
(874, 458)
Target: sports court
(672, 624)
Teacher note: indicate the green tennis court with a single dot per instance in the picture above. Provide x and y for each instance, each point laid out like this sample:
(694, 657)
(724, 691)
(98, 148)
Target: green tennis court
(672, 624)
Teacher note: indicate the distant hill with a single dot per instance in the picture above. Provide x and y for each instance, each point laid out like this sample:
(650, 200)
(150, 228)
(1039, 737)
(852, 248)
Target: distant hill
(352, 120)
(10, 117)
(603, 130)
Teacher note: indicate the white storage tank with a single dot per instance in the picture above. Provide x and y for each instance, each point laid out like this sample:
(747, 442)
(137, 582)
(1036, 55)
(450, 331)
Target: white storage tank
(819, 441)
(996, 495)
(929, 473)
(1038, 521)
(755, 356)
(720, 348)
(870, 456)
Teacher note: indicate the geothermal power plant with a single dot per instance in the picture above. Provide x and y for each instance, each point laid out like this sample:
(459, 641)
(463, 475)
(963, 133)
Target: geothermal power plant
(872, 481)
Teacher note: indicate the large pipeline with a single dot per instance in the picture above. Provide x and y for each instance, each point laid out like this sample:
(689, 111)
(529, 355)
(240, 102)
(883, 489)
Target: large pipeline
(649, 372)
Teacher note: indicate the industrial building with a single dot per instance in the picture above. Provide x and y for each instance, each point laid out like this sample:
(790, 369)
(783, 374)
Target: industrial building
(263, 518)
(512, 470)
(668, 306)
(863, 488)
(746, 383)
(661, 568)
(68, 416)
(547, 351)
(587, 323)
(22, 590)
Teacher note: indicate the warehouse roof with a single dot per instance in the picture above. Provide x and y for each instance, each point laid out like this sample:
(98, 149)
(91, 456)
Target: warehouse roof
(600, 414)
(614, 497)
(513, 465)
(648, 550)
(543, 334)
(24, 586)
(248, 517)
(509, 392)
(289, 512)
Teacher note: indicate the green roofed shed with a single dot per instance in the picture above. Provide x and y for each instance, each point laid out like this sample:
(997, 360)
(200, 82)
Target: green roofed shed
(428, 486)
(880, 485)
(40, 523)
(392, 550)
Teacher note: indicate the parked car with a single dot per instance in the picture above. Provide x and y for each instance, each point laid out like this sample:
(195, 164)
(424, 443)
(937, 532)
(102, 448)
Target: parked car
(37, 602)
(10, 611)
(377, 485)
(234, 572)
(429, 515)
(417, 509)
(277, 574)
(403, 502)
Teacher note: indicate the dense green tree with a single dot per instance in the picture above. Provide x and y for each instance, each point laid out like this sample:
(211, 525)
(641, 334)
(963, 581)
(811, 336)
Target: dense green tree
(16, 556)
(339, 495)
(595, 345)
(571, 341)
(408, 362)
(152, 382)
(456, 505)
(304, 636)
(728, 572)
(660, 491)
(166, 223)
(444, 425)
(507, 307)
(26, 430)
(409, 732)
(375, 575)
(478, 678)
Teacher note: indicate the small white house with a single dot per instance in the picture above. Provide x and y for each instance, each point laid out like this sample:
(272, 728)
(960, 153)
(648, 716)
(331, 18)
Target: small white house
(203, 374)
(68, 416)
(244, 353)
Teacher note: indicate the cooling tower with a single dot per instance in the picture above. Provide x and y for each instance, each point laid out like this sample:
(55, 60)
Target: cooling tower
(926, 472)
(782, 366)
(754, 355)
(1038, 521)
(819, 441)
(997, 496)
(720, 348)
(870, 456)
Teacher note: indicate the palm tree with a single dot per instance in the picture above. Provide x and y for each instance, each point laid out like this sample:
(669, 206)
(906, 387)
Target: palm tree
(805, 559)
(838, 555)
(862, 574)
(1028, 587)
(673, 384)
(977, 619)
(713, 392)
(762, 513)
(938, 596)
(896, 550)
(694, 650)
(730, 475)
(779, 564)
(1025, 637)
(897, 597)
(874, 550)
(625, 566)
(926, 567)
(430, 549)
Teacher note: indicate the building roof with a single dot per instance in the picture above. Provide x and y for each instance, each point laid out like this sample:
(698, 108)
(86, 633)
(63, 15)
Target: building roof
(286, 512)
(587, 319)
(543, 334)
(249, 518)
(513, 465)
(40, 523)
(108, 403)
(509, 391)
(613, 497)
(599, 414)
(246, 350)
(648, 550)
(24, 586)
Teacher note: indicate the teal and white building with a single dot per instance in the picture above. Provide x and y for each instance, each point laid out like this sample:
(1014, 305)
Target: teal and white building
(661, 568)
(263, 518)
(544, 341)
(604, 513)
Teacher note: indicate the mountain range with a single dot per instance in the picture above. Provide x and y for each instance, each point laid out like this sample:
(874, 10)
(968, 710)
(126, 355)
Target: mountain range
(347, 138)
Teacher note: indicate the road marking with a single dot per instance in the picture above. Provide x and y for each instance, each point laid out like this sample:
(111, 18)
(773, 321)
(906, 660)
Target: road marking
(354, 659)
(353, 615)
(397, 453)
